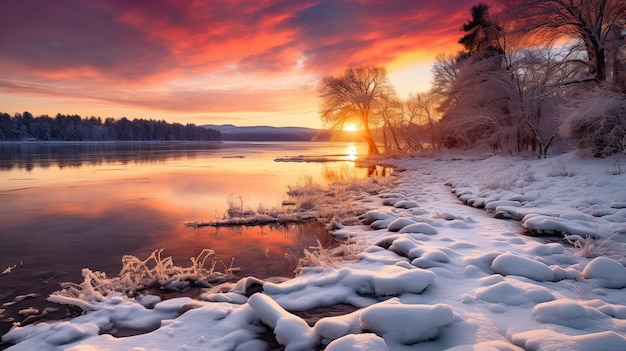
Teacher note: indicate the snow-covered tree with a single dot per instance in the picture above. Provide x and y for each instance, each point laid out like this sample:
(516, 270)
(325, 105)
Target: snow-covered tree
(538, 89)
(477, 112)
(470, 85)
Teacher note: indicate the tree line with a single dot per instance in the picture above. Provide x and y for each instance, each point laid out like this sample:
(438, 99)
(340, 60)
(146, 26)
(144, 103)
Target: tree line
(24, 126)
(531, 74)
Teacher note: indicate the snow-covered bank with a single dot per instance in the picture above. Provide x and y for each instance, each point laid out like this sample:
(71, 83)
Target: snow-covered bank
(433, 273)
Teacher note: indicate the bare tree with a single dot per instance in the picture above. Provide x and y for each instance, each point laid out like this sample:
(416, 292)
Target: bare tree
(420, 115)
(353, 97)
(537, 86)
(445, 70)
(593, 22)
(389, 112)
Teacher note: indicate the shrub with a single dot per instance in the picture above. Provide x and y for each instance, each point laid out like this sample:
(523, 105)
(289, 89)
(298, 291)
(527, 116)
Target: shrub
(596, 122)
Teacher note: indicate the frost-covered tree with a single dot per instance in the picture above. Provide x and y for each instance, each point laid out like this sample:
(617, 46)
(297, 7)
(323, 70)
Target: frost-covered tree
(477, 111)
(595, 120)
(596, 23)
(352, 98)
(474, 104)
(537, 90)
(445, 71)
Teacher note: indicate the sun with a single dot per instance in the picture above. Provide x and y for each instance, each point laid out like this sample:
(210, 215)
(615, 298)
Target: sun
(350, 127)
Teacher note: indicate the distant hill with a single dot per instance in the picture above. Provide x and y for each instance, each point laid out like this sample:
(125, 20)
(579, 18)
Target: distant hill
(268, 133)
(264, 133)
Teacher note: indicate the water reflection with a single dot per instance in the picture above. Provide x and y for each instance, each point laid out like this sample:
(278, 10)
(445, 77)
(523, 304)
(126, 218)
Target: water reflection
(261, 251)
(31, 155)
(352, 152)
(72, 206)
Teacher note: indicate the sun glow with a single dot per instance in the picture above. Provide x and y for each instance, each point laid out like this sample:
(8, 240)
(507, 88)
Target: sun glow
(350, 127)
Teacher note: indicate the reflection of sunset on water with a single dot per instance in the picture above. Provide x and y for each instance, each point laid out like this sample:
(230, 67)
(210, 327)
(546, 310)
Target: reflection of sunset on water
(351, 152)
(124, 205)
(259, 250)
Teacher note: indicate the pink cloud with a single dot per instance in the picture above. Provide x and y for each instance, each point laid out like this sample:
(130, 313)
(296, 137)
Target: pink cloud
(131, 51)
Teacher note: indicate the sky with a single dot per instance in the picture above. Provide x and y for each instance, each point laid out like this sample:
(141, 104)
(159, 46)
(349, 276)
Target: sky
(255, 62)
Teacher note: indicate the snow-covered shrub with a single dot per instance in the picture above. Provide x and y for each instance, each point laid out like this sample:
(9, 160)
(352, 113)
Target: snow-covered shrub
(559, 169)
(595, 121)
(616, 168)
(504, 182)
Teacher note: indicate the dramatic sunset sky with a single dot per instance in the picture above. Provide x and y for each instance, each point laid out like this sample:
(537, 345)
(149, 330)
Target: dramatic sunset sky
(239, 62)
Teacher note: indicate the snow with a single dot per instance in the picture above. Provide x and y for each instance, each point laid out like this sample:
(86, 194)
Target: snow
(440, 268)
(358, 342)
(399, 323)
(610, 273)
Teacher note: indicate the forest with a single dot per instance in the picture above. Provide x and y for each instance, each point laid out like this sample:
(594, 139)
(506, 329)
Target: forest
(533, 76)
(26, 127)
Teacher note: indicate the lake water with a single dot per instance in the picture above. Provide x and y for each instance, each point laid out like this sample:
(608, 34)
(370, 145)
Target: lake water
(73, 206)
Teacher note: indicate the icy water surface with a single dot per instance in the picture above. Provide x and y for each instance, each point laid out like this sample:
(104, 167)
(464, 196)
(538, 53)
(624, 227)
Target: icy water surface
(67, 207)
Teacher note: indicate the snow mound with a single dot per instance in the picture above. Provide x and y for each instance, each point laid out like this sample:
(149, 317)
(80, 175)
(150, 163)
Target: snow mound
(611, 274)
(398, 224)
(406, 204)
(546, 225)
(569, 313)
(358, 342)
(431, 258)
(513, 293)
(291, 331)
(351, 286)
(550, 340)
(423, 228)
(406, 324)
(511, 264)
(495, 345)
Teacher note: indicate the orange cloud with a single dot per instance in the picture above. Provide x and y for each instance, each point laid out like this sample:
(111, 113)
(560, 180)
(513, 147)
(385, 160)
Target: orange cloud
(209, 57)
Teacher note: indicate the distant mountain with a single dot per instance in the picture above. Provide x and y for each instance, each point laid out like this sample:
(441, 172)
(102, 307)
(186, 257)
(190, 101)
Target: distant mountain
(265, 133)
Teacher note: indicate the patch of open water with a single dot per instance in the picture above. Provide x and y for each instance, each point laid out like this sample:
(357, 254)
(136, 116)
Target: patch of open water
(64, 207)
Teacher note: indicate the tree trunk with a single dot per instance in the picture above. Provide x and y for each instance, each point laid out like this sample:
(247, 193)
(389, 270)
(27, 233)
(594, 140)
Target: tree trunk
(597, 61)
(372, 149)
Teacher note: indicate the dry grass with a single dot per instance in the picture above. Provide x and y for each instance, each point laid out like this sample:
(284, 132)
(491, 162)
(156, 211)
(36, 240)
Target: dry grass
(318, 256)
(137, 274)
(588, 246)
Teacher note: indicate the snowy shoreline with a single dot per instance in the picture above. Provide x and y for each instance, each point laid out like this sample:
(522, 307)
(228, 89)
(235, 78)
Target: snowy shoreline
(432, 274)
